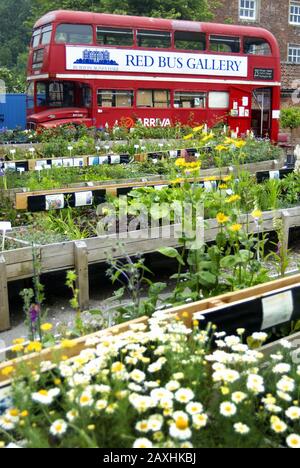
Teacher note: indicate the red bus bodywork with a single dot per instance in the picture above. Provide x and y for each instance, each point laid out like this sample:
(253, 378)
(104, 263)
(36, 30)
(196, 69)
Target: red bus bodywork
(84, 94)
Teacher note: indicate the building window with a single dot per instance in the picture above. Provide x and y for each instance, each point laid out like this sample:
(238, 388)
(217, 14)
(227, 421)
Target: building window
(114, 36)
(186, 40)
(154, 39)
(294, 53)
(190, 100)
(248, 10)
(295, 13)
(114, 98)
(218, 100)
(159, 98)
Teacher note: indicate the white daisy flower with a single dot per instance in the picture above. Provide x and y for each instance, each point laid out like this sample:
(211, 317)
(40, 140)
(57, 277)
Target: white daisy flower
(293, 413)
(72, 415)
(228, 409)
(293, 441)
(194, 408)
(200, 420)
(260, 337)
(238, 397)
(284, 396)
(86, 400)
(46, 397)
(142, 443)
(58, 428)
(282, 368)
(277, 425)
(241, 428)
(173, 385)
(184, 395)
(286, 384)
(101, 405)
(156, 422)
(143, 426)
(137, 376)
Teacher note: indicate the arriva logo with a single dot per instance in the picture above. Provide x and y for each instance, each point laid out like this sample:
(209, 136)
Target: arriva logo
(152, 122)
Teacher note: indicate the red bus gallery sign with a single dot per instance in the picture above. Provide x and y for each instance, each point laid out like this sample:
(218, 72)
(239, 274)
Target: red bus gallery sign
(121, 60)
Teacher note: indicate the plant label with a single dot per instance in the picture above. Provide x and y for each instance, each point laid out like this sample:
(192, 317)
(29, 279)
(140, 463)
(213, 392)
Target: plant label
(277, 309)
(5, 226)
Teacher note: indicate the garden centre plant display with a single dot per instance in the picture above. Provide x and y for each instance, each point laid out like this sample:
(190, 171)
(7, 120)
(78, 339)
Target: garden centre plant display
(165, 386)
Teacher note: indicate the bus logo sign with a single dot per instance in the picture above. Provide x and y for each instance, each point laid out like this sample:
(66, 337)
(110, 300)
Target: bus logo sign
(96, 57)
(142, 61)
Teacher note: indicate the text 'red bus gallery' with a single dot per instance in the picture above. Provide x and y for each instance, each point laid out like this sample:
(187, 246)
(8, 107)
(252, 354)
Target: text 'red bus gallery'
(97, 69)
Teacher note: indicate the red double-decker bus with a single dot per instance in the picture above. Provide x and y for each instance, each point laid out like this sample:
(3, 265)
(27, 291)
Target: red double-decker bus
(99, 69)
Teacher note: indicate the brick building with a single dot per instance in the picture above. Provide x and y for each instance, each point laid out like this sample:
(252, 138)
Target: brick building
(282, 18)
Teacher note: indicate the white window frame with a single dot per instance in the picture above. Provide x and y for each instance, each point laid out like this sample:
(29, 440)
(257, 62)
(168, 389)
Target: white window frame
(242, 8)
(294, 13)
(291, 55)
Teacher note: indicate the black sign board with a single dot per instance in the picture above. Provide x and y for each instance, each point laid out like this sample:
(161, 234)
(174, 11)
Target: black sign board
(264, 73)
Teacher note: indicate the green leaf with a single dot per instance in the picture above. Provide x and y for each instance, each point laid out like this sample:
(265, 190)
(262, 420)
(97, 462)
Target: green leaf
(171, 253)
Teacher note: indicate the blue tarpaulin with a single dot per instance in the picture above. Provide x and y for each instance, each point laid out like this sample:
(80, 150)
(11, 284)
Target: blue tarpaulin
(13, 111)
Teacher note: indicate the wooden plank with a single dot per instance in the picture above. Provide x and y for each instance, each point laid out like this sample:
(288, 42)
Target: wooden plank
(185, 312)
(82, 272)
(4, 305)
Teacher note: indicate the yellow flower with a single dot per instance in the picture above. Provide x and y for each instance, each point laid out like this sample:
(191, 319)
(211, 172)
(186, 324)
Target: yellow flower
(46, 327)
(19, 341)
(256, 214)
(207, 137)
(198, 129)
(2, 444)
(67, 344)
(222, 218)
(233, 199)
(24, 414)
(223, 186)
(188, 137)
(240, 143)
(227, 178)
(7, 371)
(34, 347)
(210, 179)
(235, 228)
(225, 390)
(17, 348)
(180, 162)
(221, 148)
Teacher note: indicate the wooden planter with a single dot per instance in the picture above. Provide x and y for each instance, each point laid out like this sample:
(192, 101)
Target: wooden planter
(18, 264)
(217, 307)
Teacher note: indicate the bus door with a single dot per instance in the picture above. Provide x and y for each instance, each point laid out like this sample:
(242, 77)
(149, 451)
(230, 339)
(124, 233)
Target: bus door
(240, 111)
(261, 112)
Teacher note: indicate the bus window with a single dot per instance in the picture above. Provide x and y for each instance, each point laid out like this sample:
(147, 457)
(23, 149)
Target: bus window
(218, 100)
(115, 98)
(159, 98)
(154, 39)
(113, 36)
(46, 34)
(186, 40)
(30, 95)
(38, 58)
(41, 94)
(225, 44)
(74, 34)
(256, 46)
(188, 100)
(36, 37)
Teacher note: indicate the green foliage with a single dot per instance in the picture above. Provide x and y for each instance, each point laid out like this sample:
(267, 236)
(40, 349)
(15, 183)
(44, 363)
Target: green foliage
(290, 117)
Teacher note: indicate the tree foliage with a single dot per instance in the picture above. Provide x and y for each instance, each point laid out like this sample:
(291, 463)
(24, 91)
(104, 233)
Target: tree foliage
(17, 18)
(290, 117)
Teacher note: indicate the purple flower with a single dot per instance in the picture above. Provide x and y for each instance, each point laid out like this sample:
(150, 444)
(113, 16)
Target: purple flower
(34, 313)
